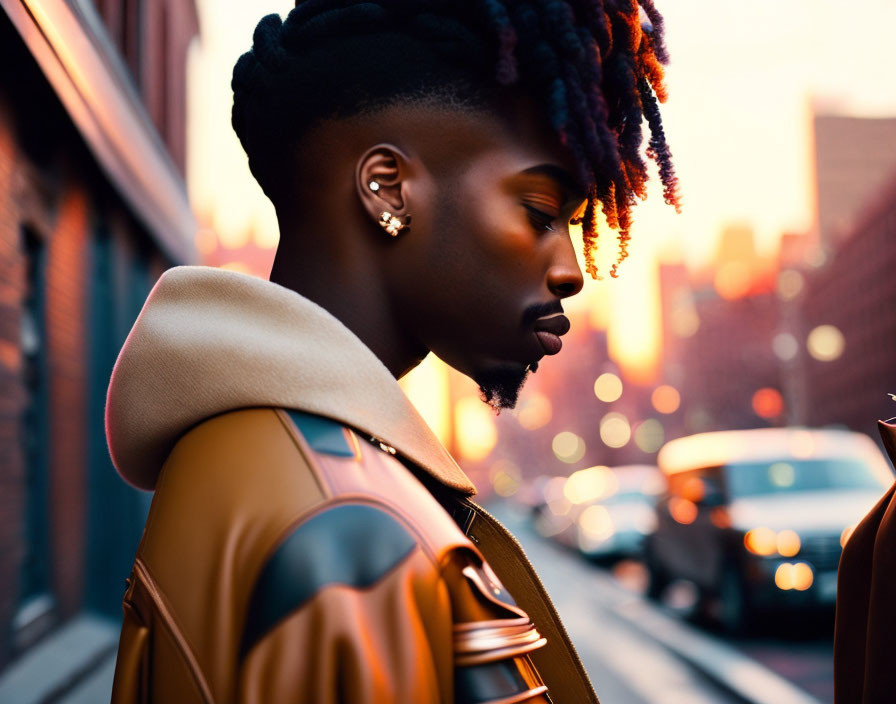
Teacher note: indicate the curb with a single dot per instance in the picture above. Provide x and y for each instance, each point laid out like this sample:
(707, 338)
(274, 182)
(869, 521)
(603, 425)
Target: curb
(724, 665)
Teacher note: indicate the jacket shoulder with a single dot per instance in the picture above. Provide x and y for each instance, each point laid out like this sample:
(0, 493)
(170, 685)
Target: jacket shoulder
(352, 466)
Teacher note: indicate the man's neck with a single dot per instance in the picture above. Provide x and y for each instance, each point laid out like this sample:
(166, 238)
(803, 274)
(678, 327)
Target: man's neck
(356, 299)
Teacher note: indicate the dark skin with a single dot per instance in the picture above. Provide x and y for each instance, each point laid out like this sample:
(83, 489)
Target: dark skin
(487, 251)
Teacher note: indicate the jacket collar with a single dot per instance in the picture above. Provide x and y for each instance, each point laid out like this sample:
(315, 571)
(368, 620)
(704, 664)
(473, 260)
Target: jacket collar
(209, 341)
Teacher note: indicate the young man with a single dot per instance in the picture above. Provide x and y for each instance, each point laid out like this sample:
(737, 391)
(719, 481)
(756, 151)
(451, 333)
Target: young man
(310, 539)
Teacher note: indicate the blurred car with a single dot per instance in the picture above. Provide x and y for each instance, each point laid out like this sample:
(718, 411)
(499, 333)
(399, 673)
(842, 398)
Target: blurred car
(602, 512)
(756, 519)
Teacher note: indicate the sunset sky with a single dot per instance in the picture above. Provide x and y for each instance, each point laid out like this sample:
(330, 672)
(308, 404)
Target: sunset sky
(743, 79)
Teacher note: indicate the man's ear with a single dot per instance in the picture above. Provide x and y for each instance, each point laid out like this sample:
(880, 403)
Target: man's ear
(381, 181)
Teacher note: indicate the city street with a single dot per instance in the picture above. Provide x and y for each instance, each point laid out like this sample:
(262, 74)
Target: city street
(637, 652)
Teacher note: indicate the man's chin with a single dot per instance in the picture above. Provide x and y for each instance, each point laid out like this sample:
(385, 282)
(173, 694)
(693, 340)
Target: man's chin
(500, 384)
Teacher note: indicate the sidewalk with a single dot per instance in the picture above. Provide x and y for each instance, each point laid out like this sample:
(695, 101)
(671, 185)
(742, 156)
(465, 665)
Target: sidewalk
(74, 665)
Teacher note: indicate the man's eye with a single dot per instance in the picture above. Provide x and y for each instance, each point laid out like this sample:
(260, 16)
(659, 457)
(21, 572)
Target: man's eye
(539, 219)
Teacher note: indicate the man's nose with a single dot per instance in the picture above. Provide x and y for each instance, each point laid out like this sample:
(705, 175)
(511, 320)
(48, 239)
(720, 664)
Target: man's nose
(564, 276)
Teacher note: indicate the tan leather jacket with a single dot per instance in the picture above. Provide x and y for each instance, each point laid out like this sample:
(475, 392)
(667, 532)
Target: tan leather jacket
(293, 553)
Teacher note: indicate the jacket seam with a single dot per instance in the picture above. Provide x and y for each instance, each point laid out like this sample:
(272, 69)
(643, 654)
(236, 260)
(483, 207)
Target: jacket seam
(304, 450)
(182, 642)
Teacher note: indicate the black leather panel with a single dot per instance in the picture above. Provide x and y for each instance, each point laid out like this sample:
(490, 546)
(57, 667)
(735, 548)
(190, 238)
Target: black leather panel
(352, 544)
(490, 682)
(322, 434)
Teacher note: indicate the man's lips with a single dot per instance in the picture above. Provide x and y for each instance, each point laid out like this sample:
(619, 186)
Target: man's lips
(548, 331)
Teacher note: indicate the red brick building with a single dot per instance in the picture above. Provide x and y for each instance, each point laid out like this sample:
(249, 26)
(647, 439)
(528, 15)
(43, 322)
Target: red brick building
(92, 209)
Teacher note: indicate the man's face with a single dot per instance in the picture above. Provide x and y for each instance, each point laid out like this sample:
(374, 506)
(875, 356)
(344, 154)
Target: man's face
(492, 258)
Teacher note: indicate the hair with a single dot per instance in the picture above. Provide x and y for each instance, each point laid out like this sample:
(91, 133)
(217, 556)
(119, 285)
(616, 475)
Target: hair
(597, 66)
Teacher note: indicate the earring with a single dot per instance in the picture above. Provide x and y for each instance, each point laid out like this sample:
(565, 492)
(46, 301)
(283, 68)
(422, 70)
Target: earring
(374, 186)
(392, 224)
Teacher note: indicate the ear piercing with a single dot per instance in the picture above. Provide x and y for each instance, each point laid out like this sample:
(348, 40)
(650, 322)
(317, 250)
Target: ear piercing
(393, 224)
(374, 186)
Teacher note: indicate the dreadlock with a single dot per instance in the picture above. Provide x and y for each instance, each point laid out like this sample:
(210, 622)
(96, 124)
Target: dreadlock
(596, 64)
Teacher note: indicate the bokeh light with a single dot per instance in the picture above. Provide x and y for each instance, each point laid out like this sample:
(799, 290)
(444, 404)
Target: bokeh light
(733, 280)
(665, 399)
(505, 477)
(768, 403)
(788, 543)
(590, 484)
(608, 387)
(785, 346)
(475, 428)
(535, 411)
(596, 525)
(682, 510)
(568, 447)
(615, 430)
(650, 435)
(825, 343)
(790, 284)
(782, 474)
(761, 541)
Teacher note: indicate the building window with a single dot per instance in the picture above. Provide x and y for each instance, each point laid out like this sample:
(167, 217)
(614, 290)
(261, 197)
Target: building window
(34, 615)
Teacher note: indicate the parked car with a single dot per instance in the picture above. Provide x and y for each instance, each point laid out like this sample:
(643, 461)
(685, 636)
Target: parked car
(615, 525)
(602, 512)
(756, 519)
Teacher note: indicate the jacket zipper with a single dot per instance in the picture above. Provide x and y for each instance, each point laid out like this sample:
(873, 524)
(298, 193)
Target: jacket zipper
(477, 509)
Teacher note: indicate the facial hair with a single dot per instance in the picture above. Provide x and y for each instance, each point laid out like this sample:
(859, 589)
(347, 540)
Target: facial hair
(500, 385)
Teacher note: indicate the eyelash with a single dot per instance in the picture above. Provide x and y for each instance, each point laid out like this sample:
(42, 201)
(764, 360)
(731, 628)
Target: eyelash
(539, 219)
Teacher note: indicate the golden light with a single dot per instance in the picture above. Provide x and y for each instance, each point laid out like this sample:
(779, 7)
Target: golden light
(590, 484)
(684, 321)
(615, 430)
(790, 284)
(596, 523)
(475, 428)
(788, 543)
(733, 280)
(802, 576)
(428, 387)
(568, 447)
(784, 576)
(682, 510)
(825, 343)
(608, 387)
(535, 411)
(761, 541)
(650, 435)
(797, 576)
(768, 403)
(782, 474)
(505, 477)
(665, 399)
(634, 339)
(846, 534)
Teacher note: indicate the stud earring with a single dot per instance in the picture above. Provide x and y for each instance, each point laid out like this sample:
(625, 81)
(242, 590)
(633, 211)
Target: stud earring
(393, 224)
(374, 186)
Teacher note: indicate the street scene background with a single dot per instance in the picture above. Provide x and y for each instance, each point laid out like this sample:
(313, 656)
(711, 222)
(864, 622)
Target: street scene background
(683, 475)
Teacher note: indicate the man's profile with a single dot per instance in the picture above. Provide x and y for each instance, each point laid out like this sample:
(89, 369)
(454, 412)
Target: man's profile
(309, 538)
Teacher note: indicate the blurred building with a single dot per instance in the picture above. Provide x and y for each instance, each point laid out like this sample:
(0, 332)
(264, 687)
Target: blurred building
(93, 208)
(848, 314)
(854, 158)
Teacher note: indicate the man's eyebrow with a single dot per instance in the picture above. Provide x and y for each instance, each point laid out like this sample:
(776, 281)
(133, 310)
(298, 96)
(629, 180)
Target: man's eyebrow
(557, 173)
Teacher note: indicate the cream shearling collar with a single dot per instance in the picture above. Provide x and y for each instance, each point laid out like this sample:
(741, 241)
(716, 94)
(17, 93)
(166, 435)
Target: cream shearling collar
(209, 341)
